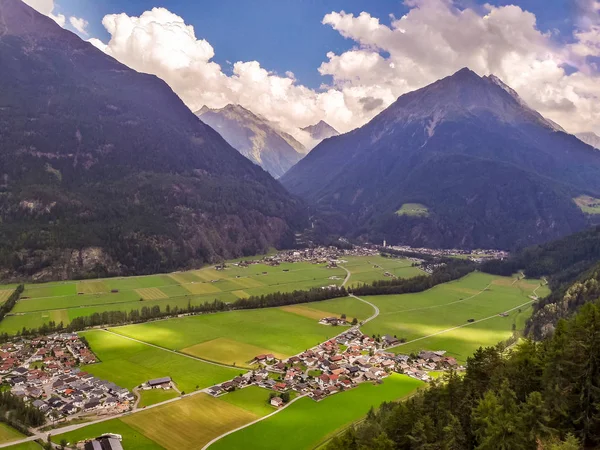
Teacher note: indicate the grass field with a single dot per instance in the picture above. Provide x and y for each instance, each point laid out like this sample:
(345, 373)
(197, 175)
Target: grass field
(367, 269)
(236, 336)
(413, 209)
(133, 439)
(588, 205)
(25, 446)
(306, 423)
(129, 364)
(4, 294)
(476, 296)
(153, 396)
(63, 301)
(189, 423)
(8, 433)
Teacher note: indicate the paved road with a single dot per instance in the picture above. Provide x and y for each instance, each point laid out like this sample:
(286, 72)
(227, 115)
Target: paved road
(348, 275)
(368, 303)
(251, 423)
(176, 352)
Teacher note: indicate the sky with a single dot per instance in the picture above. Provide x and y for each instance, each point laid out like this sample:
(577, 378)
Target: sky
(300, 61)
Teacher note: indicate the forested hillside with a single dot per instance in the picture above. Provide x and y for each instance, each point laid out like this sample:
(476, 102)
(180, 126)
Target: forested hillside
(572, 268)
(488, 170)
(542, 396)
(104, 170)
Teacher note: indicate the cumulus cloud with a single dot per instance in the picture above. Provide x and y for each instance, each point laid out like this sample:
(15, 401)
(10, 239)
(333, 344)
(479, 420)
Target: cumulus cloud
(79, 24)
(434, 39)
(46, 7)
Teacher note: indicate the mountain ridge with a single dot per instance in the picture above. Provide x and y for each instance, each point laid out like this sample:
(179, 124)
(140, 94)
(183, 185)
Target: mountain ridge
(456, 146)
(104, 170)
(254, 137)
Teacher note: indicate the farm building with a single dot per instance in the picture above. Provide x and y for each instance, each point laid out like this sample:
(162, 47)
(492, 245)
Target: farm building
(163, 382)
(104, 443)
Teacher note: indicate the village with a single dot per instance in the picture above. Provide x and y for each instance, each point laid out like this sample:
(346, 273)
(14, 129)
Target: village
(317, 255)
(45, 372)
(336, 365)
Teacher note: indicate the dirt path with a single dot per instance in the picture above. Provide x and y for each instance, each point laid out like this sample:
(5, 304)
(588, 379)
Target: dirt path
(462, 326)
(251, 423)
(173, 351)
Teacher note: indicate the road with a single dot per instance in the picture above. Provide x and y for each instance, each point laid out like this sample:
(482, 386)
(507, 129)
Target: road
(251, 423)
(58, 431)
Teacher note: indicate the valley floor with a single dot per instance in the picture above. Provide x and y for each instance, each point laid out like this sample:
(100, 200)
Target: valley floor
(201, 351)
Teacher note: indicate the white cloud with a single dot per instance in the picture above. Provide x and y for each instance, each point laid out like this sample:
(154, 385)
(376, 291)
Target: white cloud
(46, 7)
(434, 39)
(79, 24)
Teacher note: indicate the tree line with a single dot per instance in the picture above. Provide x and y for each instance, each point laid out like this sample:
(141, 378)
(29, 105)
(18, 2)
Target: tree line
(147, 313)
(444, 273)
(19, 414)
(9, 304)
(542, 396)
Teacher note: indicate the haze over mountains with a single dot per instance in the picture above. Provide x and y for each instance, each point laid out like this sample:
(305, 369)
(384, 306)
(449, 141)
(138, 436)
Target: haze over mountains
(491, 171)
(254, 137)
(321, 131)
(590, 138)
(104, 169)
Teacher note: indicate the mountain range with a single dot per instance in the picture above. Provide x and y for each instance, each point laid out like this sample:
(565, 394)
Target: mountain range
(462, 162)
(320, 131)
(104, 170)
(590, 138)
(254, 137)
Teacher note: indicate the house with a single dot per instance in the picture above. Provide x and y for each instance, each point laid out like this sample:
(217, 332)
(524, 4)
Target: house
(277, 402)
(324, 380)
(92, 404)
(159, 382)
(228, 386)
(280, 386)
(390, 341)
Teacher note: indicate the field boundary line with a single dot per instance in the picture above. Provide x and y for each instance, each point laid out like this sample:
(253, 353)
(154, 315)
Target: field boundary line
(251, 423)
(462, 326)
(185, 355)
(438, 306)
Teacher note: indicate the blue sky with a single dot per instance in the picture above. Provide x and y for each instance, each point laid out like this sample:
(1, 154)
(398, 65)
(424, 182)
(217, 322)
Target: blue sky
(286, 35)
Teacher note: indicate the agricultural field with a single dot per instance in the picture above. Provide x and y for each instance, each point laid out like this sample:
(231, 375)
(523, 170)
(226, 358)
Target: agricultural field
(63, 301)
(191, 422)
(588, 205)
(132, 438)
(153, 396)
(236, 337)
(8, 433)
(129, 364)
(25, 446)
(368, 269)
(413, 209)
(310, 422)
(443, 313)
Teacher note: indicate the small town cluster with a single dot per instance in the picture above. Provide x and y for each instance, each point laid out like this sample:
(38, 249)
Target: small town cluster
(45, 371)
(336, 365)
(317, 255)
(473, 255)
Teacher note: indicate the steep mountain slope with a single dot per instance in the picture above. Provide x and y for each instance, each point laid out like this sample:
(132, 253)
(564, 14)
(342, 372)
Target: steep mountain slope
(104, 170)
(491, 171)
(590, 138)
(254, 137)
(321, 131)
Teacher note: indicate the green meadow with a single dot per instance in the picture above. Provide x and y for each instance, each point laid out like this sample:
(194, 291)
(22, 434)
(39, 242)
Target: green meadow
(153, 396)
(437, 311)
(129, 364)
(8, 433)
(190, 422)
(413, 209)
(306, 423)
(63, 301)
(366, 269)
(235, 336)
